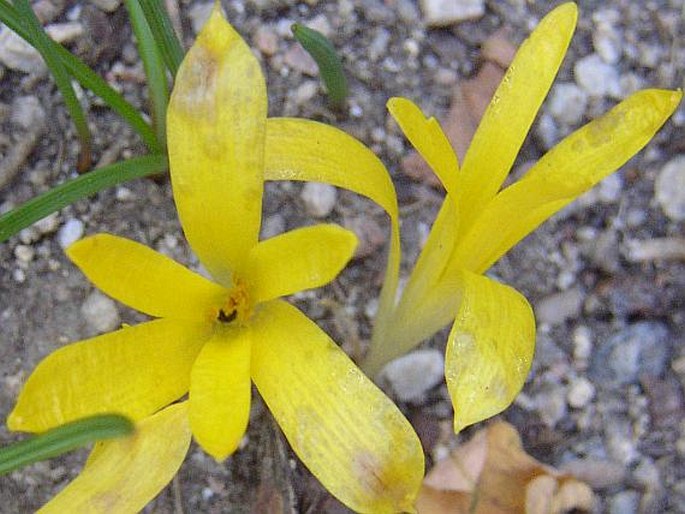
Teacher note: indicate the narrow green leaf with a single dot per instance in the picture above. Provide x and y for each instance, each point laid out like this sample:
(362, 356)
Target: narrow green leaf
(75, 189)
(63, 439)
(88, 79)
(42, 42)
(330, 66)
(163, 33)
(154, 68)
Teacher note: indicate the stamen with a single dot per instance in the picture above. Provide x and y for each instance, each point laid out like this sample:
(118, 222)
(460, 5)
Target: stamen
(227, 318)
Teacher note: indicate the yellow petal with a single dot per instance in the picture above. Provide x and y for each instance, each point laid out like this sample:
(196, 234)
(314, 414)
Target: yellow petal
(220, 392)
(215, 131)
(429, 140)
(345, 430)
(144, 279)
(306, 150)
(489, 350)
(568, 170)
(301, 259)
(133, 371)
(512, 110)
(127, 473)
(428, 302)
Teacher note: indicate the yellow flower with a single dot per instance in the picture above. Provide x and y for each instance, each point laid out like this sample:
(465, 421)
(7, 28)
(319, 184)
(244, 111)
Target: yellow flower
(491, 344)
(215, 337)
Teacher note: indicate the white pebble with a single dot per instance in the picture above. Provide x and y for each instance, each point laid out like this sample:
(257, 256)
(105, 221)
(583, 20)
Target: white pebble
(24, 253)
(440, 13)
(567, 103)
(319, 199)
(48, 224)
(100, 312)
(580, 393)
(70, 232)
(669, 188)
(597, 77)
(412, 375)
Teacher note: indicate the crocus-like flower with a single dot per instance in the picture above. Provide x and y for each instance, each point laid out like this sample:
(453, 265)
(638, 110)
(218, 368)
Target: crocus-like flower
(215, 337)
(491, 344)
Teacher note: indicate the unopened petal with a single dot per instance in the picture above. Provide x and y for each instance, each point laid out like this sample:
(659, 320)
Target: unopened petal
(512, 110)
(345, 430)
(568, 170)
(489, 350)
(144, 279)
(306, 150)
(429, 140)
(220, 392)
(216, 123)
(134, 371)
(301, 259)
(128, 473)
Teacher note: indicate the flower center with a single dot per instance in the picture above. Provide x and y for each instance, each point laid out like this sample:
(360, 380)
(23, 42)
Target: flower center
(237, 306)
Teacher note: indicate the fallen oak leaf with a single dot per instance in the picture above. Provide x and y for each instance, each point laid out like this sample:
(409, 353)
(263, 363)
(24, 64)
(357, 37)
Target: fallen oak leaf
(492, 474)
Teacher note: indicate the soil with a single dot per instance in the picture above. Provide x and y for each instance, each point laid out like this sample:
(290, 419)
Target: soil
(592, 296)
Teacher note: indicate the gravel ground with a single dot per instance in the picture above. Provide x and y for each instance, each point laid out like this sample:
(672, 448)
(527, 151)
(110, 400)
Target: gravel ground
(606, 275)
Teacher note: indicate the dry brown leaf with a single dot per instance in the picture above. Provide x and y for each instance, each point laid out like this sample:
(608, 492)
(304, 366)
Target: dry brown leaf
(492, 474)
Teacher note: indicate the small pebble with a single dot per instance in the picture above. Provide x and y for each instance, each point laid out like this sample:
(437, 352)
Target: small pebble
(272, 226)
(24, 253)
(413, 374)
(658, 249)
(18, 55)
(640, 348)
(559, 307)
(580, 393)
(606, 39)
(266, 40)
(124, 194)
(319, 199)
(107, 5)
(440, 13)
(625, 502)
(100, 312)
(305, 92)
(567, 103)
(551, 404)
(49, 224)
(199, 14)
(599, 474)
(298, 59)
(70, 232)
(669, 188)
(596, 77)
(582, 344)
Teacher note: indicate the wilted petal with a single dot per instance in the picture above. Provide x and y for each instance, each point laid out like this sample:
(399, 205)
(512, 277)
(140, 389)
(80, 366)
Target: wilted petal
(345, 430)
(144, 279)
(568, 170)
(306, 150)
(134, 371)
(489, 350)
(220, 392)
(512, 110)
(429, 140)
(123, 475)
(301, 259)
(215, 127)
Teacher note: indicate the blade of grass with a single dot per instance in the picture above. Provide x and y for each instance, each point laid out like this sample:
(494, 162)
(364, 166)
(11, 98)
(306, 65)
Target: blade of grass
(163, 33)
(154, 68)
(63, 439)
(81, 187)
(42, 42)
(88, 79)
(330, 66)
